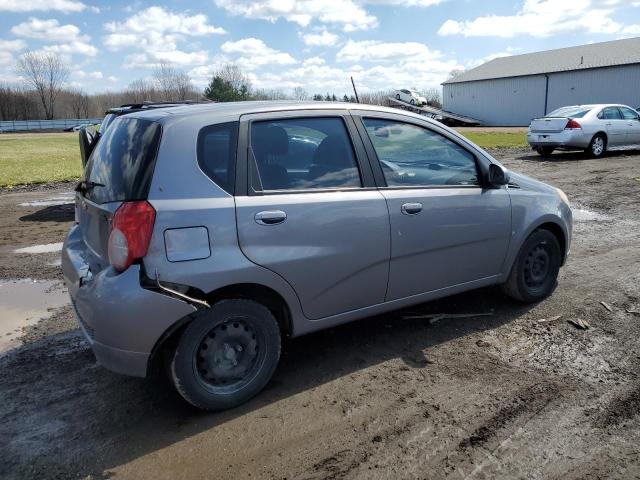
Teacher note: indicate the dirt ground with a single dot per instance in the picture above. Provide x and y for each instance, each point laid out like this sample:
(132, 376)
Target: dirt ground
(518, 393)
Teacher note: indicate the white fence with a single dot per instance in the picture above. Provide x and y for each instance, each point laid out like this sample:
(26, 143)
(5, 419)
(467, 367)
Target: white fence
(22, 125)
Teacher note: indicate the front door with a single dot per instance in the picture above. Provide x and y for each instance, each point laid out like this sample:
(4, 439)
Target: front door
(308, 214)
(632, 119)
(446, 229)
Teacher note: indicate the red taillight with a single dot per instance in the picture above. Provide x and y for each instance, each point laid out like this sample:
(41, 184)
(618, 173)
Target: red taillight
(130, 235)
(572, 125)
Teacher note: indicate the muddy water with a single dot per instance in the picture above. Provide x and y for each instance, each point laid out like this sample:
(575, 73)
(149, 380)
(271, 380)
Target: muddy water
(583, 215)
(60, 199)
(44, 248)
(23, 303)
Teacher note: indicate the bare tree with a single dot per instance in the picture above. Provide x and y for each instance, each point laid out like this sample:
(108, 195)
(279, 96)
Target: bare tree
(173, 84)
(271, 94)
(230, 72)
(139, 91)
(46, 73)
(434, 99)
(300, 93)
(455, 73)
(79, 103)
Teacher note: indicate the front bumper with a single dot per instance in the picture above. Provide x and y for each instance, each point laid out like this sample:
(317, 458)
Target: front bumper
(121, 320)
(570, 139)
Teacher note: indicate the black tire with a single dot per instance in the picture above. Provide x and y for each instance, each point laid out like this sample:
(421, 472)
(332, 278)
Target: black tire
(534, 273)
(397, 96)
(544, 151)
(412, 101)
(598, 146)
(226, 355)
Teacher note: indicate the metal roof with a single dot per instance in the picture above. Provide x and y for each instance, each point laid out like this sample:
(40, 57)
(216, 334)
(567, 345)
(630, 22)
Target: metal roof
(595, 55)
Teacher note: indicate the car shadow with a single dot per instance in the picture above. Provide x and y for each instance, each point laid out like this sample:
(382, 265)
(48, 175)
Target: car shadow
(560, 156)
(135, 417)
(51, 213)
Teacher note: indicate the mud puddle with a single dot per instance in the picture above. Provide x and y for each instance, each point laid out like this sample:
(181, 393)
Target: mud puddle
(581, 214)
(25, 302)
(60, 199)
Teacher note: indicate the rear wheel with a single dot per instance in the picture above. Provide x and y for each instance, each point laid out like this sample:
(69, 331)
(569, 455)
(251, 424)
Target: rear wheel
(397, 96)
(412, 101)
(535, 271)
(544, 151)
(226, 355)
(598, 145)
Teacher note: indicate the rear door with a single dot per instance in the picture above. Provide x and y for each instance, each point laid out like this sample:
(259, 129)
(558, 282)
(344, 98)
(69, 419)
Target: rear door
(446, 229)
(307, 209)
(615, 126)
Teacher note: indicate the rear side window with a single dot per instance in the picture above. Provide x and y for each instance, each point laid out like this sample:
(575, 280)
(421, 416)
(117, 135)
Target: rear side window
(217, 153)
(304, 153)
(123, 161)
(611, 113)
(629, 114)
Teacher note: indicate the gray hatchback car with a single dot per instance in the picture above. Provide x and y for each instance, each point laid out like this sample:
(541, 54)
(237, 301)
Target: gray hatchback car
(206, 233)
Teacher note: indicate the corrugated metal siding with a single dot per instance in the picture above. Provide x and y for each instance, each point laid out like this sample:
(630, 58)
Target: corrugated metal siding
(604, 85)
(499, 102)
(515, 101)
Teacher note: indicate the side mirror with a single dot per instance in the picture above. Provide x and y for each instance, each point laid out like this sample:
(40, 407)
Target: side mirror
(498, 176)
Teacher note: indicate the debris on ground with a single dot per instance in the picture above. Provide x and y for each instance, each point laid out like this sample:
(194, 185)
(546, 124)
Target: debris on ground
(633, 311)
(436, 317)
(579, 323)
(607, 306)
(550, 319)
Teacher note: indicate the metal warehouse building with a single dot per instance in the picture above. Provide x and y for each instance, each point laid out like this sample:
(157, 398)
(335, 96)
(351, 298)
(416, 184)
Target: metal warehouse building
(510, 91)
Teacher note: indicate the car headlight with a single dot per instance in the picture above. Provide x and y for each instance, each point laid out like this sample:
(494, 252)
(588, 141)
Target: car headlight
(563, 196)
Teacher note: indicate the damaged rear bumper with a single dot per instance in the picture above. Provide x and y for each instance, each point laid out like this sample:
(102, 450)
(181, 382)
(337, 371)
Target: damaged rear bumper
(121, 320)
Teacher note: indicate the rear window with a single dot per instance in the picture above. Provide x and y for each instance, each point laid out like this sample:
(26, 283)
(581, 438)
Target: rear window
(573, 112)
(123, 161)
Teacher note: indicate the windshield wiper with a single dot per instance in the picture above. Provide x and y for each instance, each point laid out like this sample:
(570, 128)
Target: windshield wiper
(84, 186)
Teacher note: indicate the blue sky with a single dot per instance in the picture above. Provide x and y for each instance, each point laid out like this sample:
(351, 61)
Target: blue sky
(316, 44)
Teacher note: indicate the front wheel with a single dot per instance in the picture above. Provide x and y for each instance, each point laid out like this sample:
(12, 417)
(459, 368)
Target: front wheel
(535, 271)
(598, 146)
(544, 151)
(226, 355)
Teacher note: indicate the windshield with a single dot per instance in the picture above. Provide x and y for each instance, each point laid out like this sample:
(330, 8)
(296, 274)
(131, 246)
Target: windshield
(573, 112)
(123, 161)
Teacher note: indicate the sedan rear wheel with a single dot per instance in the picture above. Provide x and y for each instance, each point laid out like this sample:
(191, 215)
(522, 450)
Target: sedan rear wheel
(544, 151)
(226, 355)
(598, 146)
(397, 96)
(535, 270)
(412, 101)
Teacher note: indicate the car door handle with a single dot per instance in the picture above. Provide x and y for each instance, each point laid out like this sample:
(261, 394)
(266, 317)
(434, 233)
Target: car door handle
(411, 208)
(270, 217)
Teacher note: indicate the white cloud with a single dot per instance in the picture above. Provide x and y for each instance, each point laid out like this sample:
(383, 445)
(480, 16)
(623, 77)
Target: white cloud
(46, 30)
(12, 45)
(81, 74)
(324, 39)
(347, 14)
(509, 51)
(156, 33)
(69, 40)
(375, 51)
(542, 18)
(65, 6)
(406, 3)
(253, 53)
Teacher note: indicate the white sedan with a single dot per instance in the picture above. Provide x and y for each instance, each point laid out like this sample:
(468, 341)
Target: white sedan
(410, 96)
(592, 128)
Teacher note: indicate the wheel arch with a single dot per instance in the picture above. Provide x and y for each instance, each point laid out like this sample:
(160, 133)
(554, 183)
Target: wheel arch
(262, 294)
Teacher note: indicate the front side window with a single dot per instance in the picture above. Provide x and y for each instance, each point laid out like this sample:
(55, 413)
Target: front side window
(628, 114)
(217, 153)
(414, 156)
(304, 153)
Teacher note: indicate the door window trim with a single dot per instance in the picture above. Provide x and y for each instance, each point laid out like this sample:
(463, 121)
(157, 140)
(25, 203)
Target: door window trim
(381, 181)
(243, 160)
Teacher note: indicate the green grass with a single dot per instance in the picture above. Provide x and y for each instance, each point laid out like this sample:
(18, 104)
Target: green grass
(53, 157)
(497, 139)
(39, 158)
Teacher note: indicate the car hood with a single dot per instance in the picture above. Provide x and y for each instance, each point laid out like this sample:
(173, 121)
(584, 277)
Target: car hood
(529, 183)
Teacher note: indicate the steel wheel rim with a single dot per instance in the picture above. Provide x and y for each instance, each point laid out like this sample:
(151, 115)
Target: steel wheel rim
(229, 356)
(598, 145)
(537, 266)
